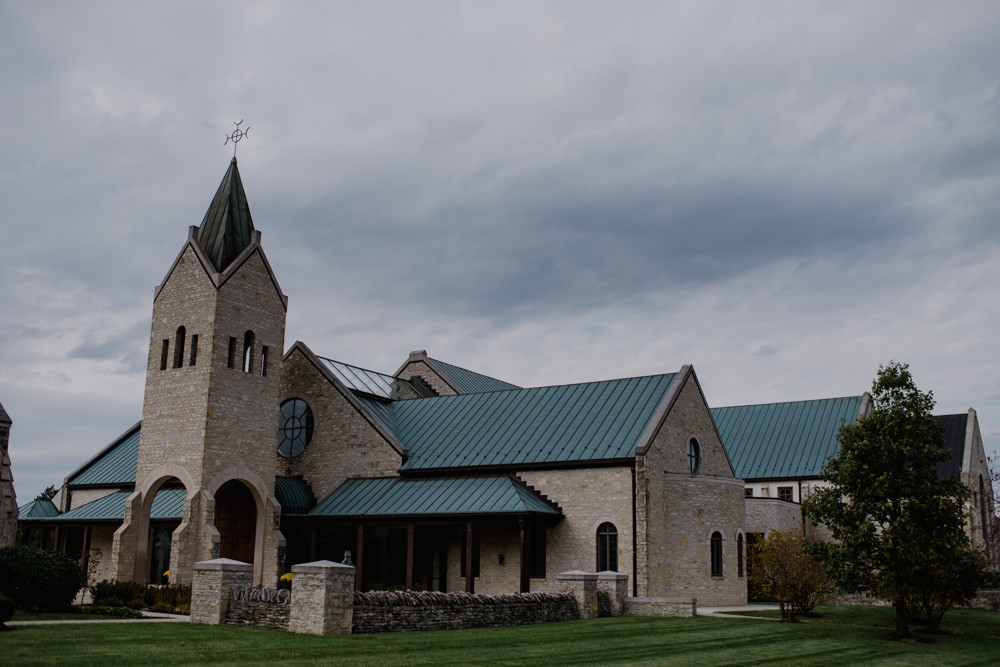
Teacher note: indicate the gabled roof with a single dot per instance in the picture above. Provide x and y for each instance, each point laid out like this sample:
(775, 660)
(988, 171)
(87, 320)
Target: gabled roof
(37, 509)
(168, 504)
(227, 227)
(115, 464)
(396, 497)
(4, 417)
(471, 382)
(568, 423)
(784, 440)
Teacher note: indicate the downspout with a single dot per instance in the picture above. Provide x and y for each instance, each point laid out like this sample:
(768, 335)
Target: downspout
(635, 542)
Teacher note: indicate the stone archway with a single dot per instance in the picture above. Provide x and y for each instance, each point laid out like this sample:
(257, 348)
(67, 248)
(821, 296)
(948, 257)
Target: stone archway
(236, 521)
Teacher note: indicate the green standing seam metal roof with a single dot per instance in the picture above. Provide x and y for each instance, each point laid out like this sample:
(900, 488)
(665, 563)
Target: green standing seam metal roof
(227, 228)
(168, 504)
(784, 440)
(37, 509)
(115, 466)
(580, 422)
(293, 494)
(471, 382)
(393, 497)
(371, 382)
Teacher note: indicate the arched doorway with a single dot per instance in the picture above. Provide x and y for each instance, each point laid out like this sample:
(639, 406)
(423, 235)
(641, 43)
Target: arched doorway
(236, 521)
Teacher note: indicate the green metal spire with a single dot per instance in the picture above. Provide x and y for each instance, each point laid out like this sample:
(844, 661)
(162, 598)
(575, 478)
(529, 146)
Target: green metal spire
(227, 228)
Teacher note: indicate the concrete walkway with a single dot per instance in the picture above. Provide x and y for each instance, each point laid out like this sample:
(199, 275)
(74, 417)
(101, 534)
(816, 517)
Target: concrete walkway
(147, 617)
(726, 612)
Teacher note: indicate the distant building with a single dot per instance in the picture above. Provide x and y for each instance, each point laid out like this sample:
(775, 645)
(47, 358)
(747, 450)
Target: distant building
(8, 501)
(779, 450)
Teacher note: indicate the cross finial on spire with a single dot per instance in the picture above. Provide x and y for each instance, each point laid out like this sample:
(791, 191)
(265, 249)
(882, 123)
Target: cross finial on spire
(236, 136)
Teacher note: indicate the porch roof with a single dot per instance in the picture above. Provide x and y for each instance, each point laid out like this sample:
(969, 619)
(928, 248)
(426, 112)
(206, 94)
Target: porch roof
(168, 504)
(396, 497)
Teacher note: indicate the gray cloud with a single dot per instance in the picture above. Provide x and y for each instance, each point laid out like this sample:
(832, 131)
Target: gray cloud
(783, 193)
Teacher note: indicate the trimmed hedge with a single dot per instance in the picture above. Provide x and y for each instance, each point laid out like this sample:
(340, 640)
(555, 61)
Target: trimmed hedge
(170, 599)
(39, 579)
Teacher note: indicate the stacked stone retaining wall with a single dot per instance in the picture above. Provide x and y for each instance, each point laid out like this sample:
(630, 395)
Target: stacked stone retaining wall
(398, 611)
(259, 607)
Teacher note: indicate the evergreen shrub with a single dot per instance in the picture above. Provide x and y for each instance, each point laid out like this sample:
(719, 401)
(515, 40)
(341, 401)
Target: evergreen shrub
(39, 579)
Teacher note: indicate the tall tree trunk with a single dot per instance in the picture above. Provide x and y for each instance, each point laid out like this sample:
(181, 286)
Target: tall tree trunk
(902, 625)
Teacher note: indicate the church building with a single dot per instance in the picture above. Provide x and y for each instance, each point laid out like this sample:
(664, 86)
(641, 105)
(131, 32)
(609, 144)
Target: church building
(433, 477)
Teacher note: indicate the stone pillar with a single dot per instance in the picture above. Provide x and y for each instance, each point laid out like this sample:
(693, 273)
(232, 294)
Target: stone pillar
(322, 598)
(615, 585)
(212, 581)
(583, 586)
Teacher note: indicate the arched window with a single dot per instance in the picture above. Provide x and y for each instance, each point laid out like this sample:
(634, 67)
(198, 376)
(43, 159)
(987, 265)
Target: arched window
(694, 455)
(739, 555)
(607, 547)
(295, 427)
(716, 554)
(248, 340)
(179, 348)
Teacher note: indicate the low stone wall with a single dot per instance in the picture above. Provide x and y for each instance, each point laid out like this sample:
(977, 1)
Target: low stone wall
(660, 607)
(400, 611)
(259, 607)
(986, 599)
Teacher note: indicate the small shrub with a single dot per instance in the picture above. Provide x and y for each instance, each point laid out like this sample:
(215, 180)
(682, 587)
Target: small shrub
(39, 578)
(117, 612)
(170, 599)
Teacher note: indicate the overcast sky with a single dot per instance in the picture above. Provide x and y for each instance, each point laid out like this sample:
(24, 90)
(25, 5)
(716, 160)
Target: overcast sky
(783, 194)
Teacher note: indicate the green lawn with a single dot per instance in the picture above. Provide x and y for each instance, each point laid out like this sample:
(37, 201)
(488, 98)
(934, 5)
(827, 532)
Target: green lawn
(848, 639)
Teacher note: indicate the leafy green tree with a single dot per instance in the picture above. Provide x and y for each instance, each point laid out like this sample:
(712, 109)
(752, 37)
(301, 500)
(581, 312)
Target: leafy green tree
(898, 527)
(784, 570)
(48, 494)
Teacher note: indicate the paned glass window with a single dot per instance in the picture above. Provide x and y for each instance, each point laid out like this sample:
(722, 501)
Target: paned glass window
(739, 555)
(785, 493)
(694, 455)
(716, 554)
(607, 547)
(295, 427)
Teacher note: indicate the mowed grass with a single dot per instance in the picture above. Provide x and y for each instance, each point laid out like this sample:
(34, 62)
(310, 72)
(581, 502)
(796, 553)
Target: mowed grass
(682, 641)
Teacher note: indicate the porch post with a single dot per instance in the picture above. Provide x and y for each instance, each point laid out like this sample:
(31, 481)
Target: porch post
(360, 558)
(470, 581)
(525, 555)
(409, 556)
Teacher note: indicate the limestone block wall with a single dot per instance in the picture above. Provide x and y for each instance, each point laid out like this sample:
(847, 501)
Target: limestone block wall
(693, 508)
(677, 511)
(588, 497)
(80, 497)
(174, 407)
(101, 537)
(660, 607)
(766, 514)
(344, 443)
(418, 366)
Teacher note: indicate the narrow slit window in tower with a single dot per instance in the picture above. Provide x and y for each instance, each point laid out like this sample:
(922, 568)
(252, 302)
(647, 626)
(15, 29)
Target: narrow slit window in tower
(179, 348)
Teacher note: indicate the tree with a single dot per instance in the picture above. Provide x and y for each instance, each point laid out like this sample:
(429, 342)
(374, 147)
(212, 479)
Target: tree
(783, 569)
(48, 494)
(898, 528)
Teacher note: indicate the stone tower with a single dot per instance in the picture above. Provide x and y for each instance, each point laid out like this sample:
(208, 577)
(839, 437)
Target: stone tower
(210, 413)
(8, 501)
